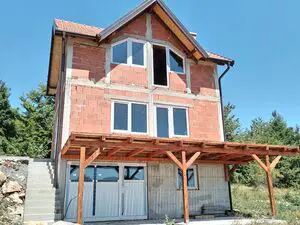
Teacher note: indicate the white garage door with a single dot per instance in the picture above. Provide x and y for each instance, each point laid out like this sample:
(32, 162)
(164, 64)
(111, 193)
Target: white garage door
(111, 192)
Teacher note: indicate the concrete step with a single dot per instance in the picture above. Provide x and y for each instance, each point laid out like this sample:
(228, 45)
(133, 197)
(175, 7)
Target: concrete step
(42, 217)
(33, 192)
(43, 209)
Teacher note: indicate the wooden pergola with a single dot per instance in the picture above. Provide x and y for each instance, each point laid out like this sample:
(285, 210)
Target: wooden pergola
(87, 148)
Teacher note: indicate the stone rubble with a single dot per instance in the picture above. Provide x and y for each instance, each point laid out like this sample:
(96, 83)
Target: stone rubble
(13, 176)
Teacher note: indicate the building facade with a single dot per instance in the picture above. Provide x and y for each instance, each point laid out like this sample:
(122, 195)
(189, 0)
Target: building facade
(143, 77)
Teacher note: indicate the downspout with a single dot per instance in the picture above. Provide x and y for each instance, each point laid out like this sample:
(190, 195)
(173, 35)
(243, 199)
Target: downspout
(222, 112)
(58, 147)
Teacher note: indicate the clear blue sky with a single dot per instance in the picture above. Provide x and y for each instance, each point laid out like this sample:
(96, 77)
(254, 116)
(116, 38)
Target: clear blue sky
(262, 36)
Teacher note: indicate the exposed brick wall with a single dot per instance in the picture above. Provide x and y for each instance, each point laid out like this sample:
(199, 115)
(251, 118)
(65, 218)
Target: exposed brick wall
(136, 27)
(88, 62)
(202, 80)
(128, 75)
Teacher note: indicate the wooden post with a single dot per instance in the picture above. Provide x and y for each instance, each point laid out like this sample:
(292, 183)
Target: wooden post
(185, 193)
(184, 165)
(268, 168)
(270, 187)
(80, 185)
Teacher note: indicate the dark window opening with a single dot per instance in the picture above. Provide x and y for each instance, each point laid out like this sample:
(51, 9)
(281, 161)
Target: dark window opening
(160, 65)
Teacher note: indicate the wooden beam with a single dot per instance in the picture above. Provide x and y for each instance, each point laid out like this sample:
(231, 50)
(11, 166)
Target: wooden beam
(113, 151)
(185, 194)
(258, 160)
(275, 162)
(270, 187)
(192, 159)
(80, 186)
(92, 158)
(66, 147)
(136, 152)
(175, 160)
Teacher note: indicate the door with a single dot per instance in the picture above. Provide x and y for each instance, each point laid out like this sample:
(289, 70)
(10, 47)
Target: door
(71, 199)
(111, 192)
(134, 192)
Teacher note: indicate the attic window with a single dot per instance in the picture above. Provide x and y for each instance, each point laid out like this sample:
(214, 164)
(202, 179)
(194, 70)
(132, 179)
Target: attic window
(176, 62)
(160, 66)
(130, 52)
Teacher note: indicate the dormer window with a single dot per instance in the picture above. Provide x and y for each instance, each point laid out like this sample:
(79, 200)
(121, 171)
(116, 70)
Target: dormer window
(130, 52)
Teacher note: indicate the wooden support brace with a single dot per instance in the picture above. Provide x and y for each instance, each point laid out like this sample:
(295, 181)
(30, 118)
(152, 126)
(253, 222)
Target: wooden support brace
(260, 163)
(175, 160)
(113, 151)
(192, 159)
(92, 158)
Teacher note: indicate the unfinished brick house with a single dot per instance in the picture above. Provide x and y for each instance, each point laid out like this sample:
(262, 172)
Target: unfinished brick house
(138, 129)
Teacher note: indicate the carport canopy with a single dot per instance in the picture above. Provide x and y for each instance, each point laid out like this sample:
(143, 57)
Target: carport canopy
(87, 147)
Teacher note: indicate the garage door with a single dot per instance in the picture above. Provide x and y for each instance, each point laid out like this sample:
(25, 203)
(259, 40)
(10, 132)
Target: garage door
(111, 192)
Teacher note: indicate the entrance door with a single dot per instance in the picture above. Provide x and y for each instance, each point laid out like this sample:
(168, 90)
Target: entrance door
(71, 199)
(133, 195)
(111, 192)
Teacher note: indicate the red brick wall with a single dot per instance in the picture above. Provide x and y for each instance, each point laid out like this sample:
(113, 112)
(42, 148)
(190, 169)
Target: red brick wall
(202, 80)
(88, 62)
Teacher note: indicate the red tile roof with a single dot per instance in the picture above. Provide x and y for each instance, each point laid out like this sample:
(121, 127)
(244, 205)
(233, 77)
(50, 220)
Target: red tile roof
(67, 26)
(77, 28)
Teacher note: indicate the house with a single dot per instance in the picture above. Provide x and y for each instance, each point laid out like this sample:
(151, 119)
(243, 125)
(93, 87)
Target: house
(138, 128)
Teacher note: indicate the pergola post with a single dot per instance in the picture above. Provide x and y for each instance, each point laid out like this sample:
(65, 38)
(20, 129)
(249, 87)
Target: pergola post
(268, 168)
(83, 163)
(184, 165)
(80, 185)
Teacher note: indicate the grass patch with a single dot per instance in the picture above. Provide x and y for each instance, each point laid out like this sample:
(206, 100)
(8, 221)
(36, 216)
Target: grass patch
(254, 202)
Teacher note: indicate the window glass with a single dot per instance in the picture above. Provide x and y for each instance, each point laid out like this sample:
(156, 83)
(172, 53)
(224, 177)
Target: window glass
(137, 53)
(139, 118)
(179, 121)
(119, 52)
(162, 123)
(176, 62)
(107, 173)
(191, 177)
(88, 173)
(133, 173)
(120, 116)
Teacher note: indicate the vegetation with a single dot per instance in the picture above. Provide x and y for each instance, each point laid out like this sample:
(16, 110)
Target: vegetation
(26, 131)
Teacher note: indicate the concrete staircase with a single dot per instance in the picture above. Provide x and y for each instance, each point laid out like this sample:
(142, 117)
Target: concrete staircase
(42, 199)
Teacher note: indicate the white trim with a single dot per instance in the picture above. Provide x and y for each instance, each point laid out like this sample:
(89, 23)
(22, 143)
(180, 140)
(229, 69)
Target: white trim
(144, 90)
(129, 52)
(194, 167)
(170, 120)
(129, 122)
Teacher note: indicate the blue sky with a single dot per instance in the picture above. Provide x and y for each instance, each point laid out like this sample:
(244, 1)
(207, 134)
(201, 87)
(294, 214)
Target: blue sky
(262, 36)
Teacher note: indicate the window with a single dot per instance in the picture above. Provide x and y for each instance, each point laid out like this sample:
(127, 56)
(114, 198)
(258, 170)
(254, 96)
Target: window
(171, 121)
(191, 178)
(176, 62)
(88, 173)
(133, 173)
(128, 52)
(179, 121)
(107, 173)
(130, 117)
(160, 65)
(119, 53)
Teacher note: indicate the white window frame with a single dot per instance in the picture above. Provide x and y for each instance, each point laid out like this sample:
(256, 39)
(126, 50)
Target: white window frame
(129, 52)
(129, 127)
(170, 120)
(196, 187)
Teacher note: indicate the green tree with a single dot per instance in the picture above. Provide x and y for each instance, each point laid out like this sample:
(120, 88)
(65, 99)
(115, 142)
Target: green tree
(7, 121)
(231, 123)
(36, 122)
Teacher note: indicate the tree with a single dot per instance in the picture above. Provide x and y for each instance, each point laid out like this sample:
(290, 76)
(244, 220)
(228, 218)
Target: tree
(7, 121)
(36, 122)
(231, 122)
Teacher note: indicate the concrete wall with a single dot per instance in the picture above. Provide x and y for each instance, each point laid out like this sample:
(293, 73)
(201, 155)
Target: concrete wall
(165, 199)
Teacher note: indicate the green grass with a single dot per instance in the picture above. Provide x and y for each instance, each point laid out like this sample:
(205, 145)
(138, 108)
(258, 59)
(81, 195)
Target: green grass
(254, 202)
